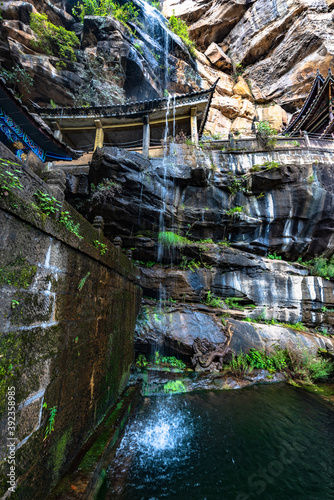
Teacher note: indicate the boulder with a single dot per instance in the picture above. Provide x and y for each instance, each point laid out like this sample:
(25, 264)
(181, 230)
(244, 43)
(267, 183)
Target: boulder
(242, 125)
(275, 115)
(229, 106)
(242, 89)
(218, 58)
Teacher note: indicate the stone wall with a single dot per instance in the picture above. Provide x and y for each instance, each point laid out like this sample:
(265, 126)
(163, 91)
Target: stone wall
(67, 319)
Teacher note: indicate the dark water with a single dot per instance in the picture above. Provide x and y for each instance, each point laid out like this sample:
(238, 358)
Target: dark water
(262, 443)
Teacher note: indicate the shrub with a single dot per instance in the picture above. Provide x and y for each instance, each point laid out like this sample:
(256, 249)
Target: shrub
(213, 301)
(179, 27)
(17, 76)
(54, 40)
(266, 134)
(235, 211)
(122, 13)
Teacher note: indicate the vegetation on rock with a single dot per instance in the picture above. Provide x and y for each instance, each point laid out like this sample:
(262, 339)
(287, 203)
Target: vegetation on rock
(54, 40)
(8, 178)
(180, 28)
(297, 364)
(122, 13)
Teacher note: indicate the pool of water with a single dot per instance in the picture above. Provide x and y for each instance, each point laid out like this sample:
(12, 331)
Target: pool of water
(270, 442)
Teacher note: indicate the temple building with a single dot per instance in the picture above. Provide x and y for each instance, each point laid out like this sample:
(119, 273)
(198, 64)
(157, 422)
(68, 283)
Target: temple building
(25, 134)
(138, 125)
(316, 116)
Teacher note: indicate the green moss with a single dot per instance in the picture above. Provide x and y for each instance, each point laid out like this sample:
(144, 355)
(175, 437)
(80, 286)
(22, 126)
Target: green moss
(58, 452)
(18, 273)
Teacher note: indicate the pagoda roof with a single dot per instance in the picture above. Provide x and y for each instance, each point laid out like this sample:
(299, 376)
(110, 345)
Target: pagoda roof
(131, 110)
(315, 117)
(29, 128)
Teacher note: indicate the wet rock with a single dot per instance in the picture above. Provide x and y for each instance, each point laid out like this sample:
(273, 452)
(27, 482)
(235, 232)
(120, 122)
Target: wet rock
(177, 327)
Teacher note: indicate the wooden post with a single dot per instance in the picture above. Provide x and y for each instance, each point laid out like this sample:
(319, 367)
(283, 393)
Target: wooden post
(56, 131)
(193, 126)
(99, 135)
(146, 135)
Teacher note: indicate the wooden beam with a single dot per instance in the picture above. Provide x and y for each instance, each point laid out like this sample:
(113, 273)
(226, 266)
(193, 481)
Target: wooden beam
(99, 135)
(122, 125)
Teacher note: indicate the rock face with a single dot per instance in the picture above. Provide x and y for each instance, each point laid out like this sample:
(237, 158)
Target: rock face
(137, 60)
(280, 45)
(285, 209)
(177, 327)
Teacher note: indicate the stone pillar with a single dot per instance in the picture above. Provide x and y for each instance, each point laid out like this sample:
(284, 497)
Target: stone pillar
(146, 135)
(98, 223)
(99, 135)
(118, 243)
(193, 126)
(56, 180)
(307, 140)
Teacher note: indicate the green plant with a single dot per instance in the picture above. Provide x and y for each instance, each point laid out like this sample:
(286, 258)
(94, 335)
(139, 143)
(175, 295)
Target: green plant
(174, 386)
(233, 302)
(237, 185)
(102, 247)
(83, 281)
(274, 256)
(296, 143)
(235, 211)
(141, 361)
(18, 75)
(138, 47)
(53, 104)
(47, 203)
(156, 4)
(50, 423)
(224, 243)
(14, 303)
(54, 40)
(179, 27)
(8, 178)
(173, 361)
(310, 179)
(123, 13)
(67, 221)
(169, 240)
(266, 133)
(213, 301)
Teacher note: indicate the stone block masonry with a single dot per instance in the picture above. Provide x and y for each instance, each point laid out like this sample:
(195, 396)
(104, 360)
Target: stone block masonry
(67, 317)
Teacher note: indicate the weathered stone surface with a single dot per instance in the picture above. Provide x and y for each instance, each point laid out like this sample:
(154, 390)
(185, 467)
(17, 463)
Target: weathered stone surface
(217, 56)
(229, 106)
(242, 125)
(275, 115)
(178, 328)
(283, 212)
(218, 123)
(66, 319)
(211, 75)
(241, 88)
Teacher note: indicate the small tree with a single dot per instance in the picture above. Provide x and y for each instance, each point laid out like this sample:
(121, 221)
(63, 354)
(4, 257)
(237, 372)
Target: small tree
(266, 133)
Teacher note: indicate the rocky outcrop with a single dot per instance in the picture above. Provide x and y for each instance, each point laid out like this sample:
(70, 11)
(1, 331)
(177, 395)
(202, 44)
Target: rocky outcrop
(286, 208)
(177, 327)
(279, 46)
